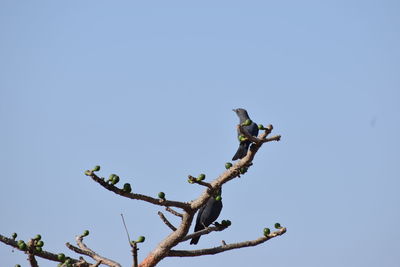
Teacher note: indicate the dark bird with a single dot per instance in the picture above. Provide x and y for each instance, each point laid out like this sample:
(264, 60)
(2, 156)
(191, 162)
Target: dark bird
(207, 215)
(251, 129)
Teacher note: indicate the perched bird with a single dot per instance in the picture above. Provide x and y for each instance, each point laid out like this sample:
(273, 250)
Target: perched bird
(251, 129)
(207, 215)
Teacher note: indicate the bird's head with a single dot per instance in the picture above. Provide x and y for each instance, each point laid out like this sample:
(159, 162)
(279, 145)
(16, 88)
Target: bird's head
(242, 113)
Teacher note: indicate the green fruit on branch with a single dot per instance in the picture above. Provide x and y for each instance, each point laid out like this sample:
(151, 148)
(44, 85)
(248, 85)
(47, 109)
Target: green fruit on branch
(96, 168)
(161, 195)
(266, 231)
(61, 257)
(228, 165)
(247, 122)
(140, 239)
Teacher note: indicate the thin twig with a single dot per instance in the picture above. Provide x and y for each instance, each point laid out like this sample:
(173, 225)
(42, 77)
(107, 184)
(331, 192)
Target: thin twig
(165, 220)
(135, 254)
(126, 229)
(78, 250)
(96, 264)
(262, 138)
(204, 231)
(195, 181)
(174, 212)
(87, 251)
(273, 138)
(132, 244)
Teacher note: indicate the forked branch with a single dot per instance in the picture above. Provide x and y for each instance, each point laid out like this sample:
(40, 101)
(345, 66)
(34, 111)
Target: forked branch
(84, 250)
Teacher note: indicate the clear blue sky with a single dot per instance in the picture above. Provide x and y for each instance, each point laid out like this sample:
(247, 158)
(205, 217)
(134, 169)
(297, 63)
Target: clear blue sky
(145, 89)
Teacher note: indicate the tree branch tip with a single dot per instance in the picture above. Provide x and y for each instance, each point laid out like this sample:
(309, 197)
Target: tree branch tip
(198, 180)
(274, 138)
(165, 221)
(140, 239)
(174, 212)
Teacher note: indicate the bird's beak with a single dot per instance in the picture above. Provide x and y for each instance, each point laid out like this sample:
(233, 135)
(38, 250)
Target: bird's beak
(234, 110)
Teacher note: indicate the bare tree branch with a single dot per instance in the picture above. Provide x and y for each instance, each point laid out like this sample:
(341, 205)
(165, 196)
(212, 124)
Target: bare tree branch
(135, 254)
(78, 250)
(42, 254)
(274, 138)
(223, 248)
(32, 260)
(96, 264)
(170, 241)
(84, 250)
(155, 201)
(31, 255)
(174, 212)
(83, 263)
(165, 220)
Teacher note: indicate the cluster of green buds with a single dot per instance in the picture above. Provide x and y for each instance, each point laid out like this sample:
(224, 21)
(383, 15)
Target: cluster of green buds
(267, 231)
(112, 179)
(192, 180)
(38, 243)
(22, 245)
(65, 261)
(261, 127)
(90, 172)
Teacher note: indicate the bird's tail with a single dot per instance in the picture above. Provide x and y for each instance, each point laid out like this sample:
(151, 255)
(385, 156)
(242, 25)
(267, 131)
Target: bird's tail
(195, 240)
(199, 226)
(242, 151)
